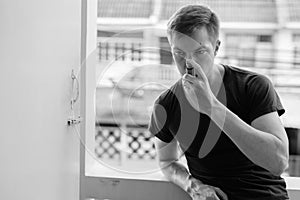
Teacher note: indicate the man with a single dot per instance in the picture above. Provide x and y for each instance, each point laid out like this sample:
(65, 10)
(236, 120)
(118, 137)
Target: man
(225, 119)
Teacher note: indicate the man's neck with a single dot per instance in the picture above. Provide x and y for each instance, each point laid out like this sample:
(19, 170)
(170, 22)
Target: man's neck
(216, 78)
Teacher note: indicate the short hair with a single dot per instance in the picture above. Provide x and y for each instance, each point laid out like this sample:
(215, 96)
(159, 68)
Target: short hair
(189, 18)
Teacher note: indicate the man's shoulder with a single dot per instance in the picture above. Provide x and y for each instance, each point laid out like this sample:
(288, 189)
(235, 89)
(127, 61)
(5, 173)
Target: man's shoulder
(242, 71)
(245, 75)
(168, 94)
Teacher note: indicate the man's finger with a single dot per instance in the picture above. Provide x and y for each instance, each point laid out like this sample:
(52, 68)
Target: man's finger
(213, 198)
(197, 68)
(188, 78)
(220, 194)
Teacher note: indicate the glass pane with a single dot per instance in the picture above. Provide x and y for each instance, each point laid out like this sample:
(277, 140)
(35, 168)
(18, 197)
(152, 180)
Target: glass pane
(135, 65)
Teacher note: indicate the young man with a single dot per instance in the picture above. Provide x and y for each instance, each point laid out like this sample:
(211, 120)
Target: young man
(225, 119)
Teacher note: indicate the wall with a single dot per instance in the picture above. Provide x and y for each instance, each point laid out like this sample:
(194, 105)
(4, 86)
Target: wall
(40, 44)
(120, 189)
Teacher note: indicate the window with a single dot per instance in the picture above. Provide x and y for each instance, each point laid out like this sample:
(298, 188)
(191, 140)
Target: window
(264, 38)
(165, 51)
(296, 52)
(131, 76)
(240, 49)
(128, 79)
(250, 50)
(125, 46)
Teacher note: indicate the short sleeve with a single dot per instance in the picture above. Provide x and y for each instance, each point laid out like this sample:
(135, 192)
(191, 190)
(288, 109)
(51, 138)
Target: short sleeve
(262, 98)
(158, 125)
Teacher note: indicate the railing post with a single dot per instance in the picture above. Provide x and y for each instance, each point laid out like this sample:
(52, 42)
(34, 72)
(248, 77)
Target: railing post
(124, 144)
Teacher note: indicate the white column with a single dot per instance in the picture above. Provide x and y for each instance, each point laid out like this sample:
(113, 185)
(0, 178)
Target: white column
(284, 47)
(221, 52)
(39, 152)
(283, 40)
(151, 46)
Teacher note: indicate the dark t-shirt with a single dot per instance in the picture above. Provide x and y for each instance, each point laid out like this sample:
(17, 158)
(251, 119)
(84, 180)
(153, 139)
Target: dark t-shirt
(211, 156)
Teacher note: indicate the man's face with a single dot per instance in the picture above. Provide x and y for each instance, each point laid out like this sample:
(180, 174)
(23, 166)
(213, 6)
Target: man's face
(197, 46)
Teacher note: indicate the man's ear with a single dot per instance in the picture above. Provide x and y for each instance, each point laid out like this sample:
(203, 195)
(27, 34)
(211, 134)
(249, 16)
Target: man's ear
(218, 43)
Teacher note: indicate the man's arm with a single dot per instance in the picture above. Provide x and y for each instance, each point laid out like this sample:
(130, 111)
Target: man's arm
(178, 174)
(169, 164)
(265, 142)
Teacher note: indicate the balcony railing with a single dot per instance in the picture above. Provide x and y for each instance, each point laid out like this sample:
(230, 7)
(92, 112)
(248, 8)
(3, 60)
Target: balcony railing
(123, 144)
(284, 71)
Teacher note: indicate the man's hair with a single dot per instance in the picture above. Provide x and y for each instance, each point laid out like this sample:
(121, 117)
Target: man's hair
(189, 18)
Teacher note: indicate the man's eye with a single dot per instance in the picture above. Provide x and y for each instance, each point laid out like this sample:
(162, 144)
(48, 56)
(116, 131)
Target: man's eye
(201, 52)
(179, 53)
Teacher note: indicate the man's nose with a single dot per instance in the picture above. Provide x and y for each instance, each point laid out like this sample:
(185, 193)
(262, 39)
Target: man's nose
(189, 56)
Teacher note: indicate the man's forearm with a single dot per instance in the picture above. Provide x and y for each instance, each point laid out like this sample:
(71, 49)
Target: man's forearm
(176, 173)
(264, 149)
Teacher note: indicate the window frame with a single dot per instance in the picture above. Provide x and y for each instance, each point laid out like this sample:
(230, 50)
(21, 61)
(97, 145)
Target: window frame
(104, 187)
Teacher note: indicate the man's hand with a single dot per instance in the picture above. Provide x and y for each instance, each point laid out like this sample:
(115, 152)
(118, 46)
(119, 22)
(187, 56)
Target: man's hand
(197, 89)
(199, 191)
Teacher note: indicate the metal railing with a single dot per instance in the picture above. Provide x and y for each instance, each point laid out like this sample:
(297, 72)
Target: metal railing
(294, 166)
(123, 143)
(283, 71)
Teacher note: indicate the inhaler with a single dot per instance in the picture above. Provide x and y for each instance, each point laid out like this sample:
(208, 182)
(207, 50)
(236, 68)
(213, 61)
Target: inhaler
(189, 68)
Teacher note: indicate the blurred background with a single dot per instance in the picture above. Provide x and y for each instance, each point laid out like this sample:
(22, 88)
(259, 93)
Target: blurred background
(135, 65)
